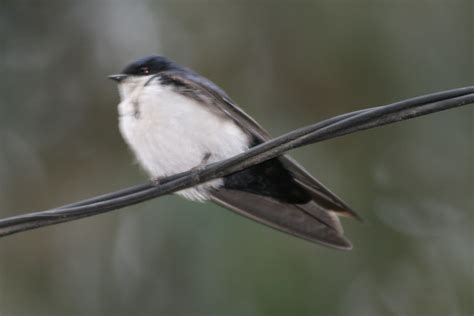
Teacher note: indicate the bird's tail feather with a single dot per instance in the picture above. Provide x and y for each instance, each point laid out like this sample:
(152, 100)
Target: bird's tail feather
(308, 221)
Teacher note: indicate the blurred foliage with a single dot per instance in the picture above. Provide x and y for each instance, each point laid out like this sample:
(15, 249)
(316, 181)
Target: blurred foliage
(288, 64)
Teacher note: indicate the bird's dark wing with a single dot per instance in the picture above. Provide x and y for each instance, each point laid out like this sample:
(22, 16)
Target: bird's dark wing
(278, 192)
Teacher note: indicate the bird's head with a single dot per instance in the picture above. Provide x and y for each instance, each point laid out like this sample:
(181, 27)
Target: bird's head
(140, 71)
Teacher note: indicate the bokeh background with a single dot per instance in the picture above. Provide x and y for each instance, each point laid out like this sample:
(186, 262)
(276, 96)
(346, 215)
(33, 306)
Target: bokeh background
(288, 64)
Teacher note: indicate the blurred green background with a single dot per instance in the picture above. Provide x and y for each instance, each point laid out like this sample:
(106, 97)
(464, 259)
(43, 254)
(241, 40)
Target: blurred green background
(288, 64)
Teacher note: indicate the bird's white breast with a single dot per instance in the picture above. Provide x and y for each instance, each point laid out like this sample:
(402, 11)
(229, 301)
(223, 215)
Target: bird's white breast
(171, 133)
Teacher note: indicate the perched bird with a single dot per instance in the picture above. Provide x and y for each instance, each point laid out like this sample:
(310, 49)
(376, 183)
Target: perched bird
(175, 120)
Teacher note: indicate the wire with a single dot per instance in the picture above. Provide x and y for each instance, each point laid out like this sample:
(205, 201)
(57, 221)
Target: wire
(327, 129)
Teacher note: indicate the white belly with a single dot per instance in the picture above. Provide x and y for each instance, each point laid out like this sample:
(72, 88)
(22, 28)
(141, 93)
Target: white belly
(172, 133)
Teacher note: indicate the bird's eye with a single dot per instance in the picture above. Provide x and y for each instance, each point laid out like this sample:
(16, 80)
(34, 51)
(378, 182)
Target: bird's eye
(145, 70)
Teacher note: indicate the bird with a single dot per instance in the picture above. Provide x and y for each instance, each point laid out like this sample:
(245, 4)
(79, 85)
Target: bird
(175, 120)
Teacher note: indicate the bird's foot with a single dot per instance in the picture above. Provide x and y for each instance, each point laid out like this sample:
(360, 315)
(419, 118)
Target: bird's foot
(201, 166)
(156, 181)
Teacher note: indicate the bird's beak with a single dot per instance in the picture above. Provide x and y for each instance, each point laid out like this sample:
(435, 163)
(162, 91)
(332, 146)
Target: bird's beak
(118, 77)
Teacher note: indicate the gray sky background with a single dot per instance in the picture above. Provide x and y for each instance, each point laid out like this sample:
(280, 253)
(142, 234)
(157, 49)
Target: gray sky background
(287, 64)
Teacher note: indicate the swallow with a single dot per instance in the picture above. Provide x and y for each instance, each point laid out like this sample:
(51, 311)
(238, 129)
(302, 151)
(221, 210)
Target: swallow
(175, 120)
